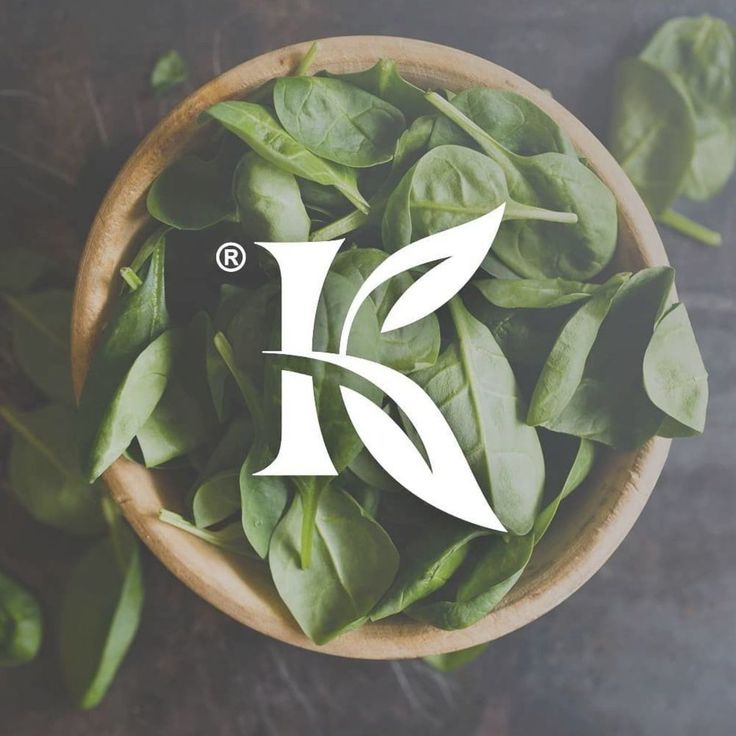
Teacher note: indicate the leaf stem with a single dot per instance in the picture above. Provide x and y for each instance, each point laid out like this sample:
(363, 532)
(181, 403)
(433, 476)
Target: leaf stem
(346, 224)
(490, 145)
(247, 389)
(307, 60)
(310, 497)
(131, 278)
(679, 222)
(519, 211)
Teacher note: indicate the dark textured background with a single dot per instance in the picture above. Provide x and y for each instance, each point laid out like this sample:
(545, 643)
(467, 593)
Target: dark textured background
(647, 647)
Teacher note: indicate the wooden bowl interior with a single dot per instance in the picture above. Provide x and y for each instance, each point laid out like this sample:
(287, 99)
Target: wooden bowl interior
(593, 521)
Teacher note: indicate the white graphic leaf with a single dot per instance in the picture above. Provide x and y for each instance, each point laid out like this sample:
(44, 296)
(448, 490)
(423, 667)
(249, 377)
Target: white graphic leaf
(459, 250)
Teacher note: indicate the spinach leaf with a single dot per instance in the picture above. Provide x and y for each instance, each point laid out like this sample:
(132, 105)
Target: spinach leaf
(263, 499)
(485, 584)
(100, 615)
(564, 367)
(362, 129)
(128, 373)
(184, 418)
(448, 186)
(230, 448)
(263, 133)
(353, 562)
(699, 55)
(322, 200)
(169, 71)
(269, 202)
(576, 248)
(534, 293)
(427, 564)
(500, 562)
(515, 122)
(192, 193)
(408, 348)
(216, 499)
(610, 404)
(21, 624)
(452, 661)
(341, 440)
(383, 80)
(229, 539)
(652, 132)
(44, 473)
(473, 385)
(41, 340)
(675, 378)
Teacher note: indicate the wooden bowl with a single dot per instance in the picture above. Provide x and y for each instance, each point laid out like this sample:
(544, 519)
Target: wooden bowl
(594, 520)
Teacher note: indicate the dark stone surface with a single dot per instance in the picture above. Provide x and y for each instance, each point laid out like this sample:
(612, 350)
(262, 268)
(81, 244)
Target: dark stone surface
(648, 647)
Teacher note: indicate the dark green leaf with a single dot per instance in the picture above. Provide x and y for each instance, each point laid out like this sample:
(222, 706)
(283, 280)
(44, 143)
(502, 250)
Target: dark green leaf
(262, 131)
(41, 340)
(44, 473)
(269, 203)
(352, 565)
(675, 378)
(100, 616)
(169, 71)
(21, 625)
(338, 121)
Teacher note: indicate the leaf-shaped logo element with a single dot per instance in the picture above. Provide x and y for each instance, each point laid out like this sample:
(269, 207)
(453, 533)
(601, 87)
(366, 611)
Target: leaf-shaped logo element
(459, 250)
(445, 479)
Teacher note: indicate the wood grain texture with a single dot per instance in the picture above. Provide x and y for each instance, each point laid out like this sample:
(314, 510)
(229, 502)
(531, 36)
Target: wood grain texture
(595, 520)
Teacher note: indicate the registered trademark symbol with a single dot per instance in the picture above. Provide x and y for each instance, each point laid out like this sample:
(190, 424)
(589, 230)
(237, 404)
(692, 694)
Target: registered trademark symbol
(230, 257)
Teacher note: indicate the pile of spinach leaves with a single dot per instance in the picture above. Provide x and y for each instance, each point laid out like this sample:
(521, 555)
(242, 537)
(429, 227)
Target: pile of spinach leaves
(546, 357)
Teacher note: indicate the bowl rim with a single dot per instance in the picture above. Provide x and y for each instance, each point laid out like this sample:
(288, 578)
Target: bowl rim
(121, 207)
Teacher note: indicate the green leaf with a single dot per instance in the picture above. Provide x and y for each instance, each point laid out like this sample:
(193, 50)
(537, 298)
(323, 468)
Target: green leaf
(564, 367)
(263, 133)
(675, 378)
(515, 122)
(128, 374)
(699, 55)
(427, 563)
(499, 562)
(473, 385)
(448, 186)
(100, 616)
(192, 193)
(652, 132)
(230, 538)
(338, 121)
(44, 473)
(216, 499)
(577, 246)
(610, 404)
(534, 293)
(41, 340)
(269, 202)
(484, 586)
(21, 624)
(263, 499)
(353, 563)
(408, 348)
(169, 71)
(184, 418)
(452, 661)
(383, 80)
